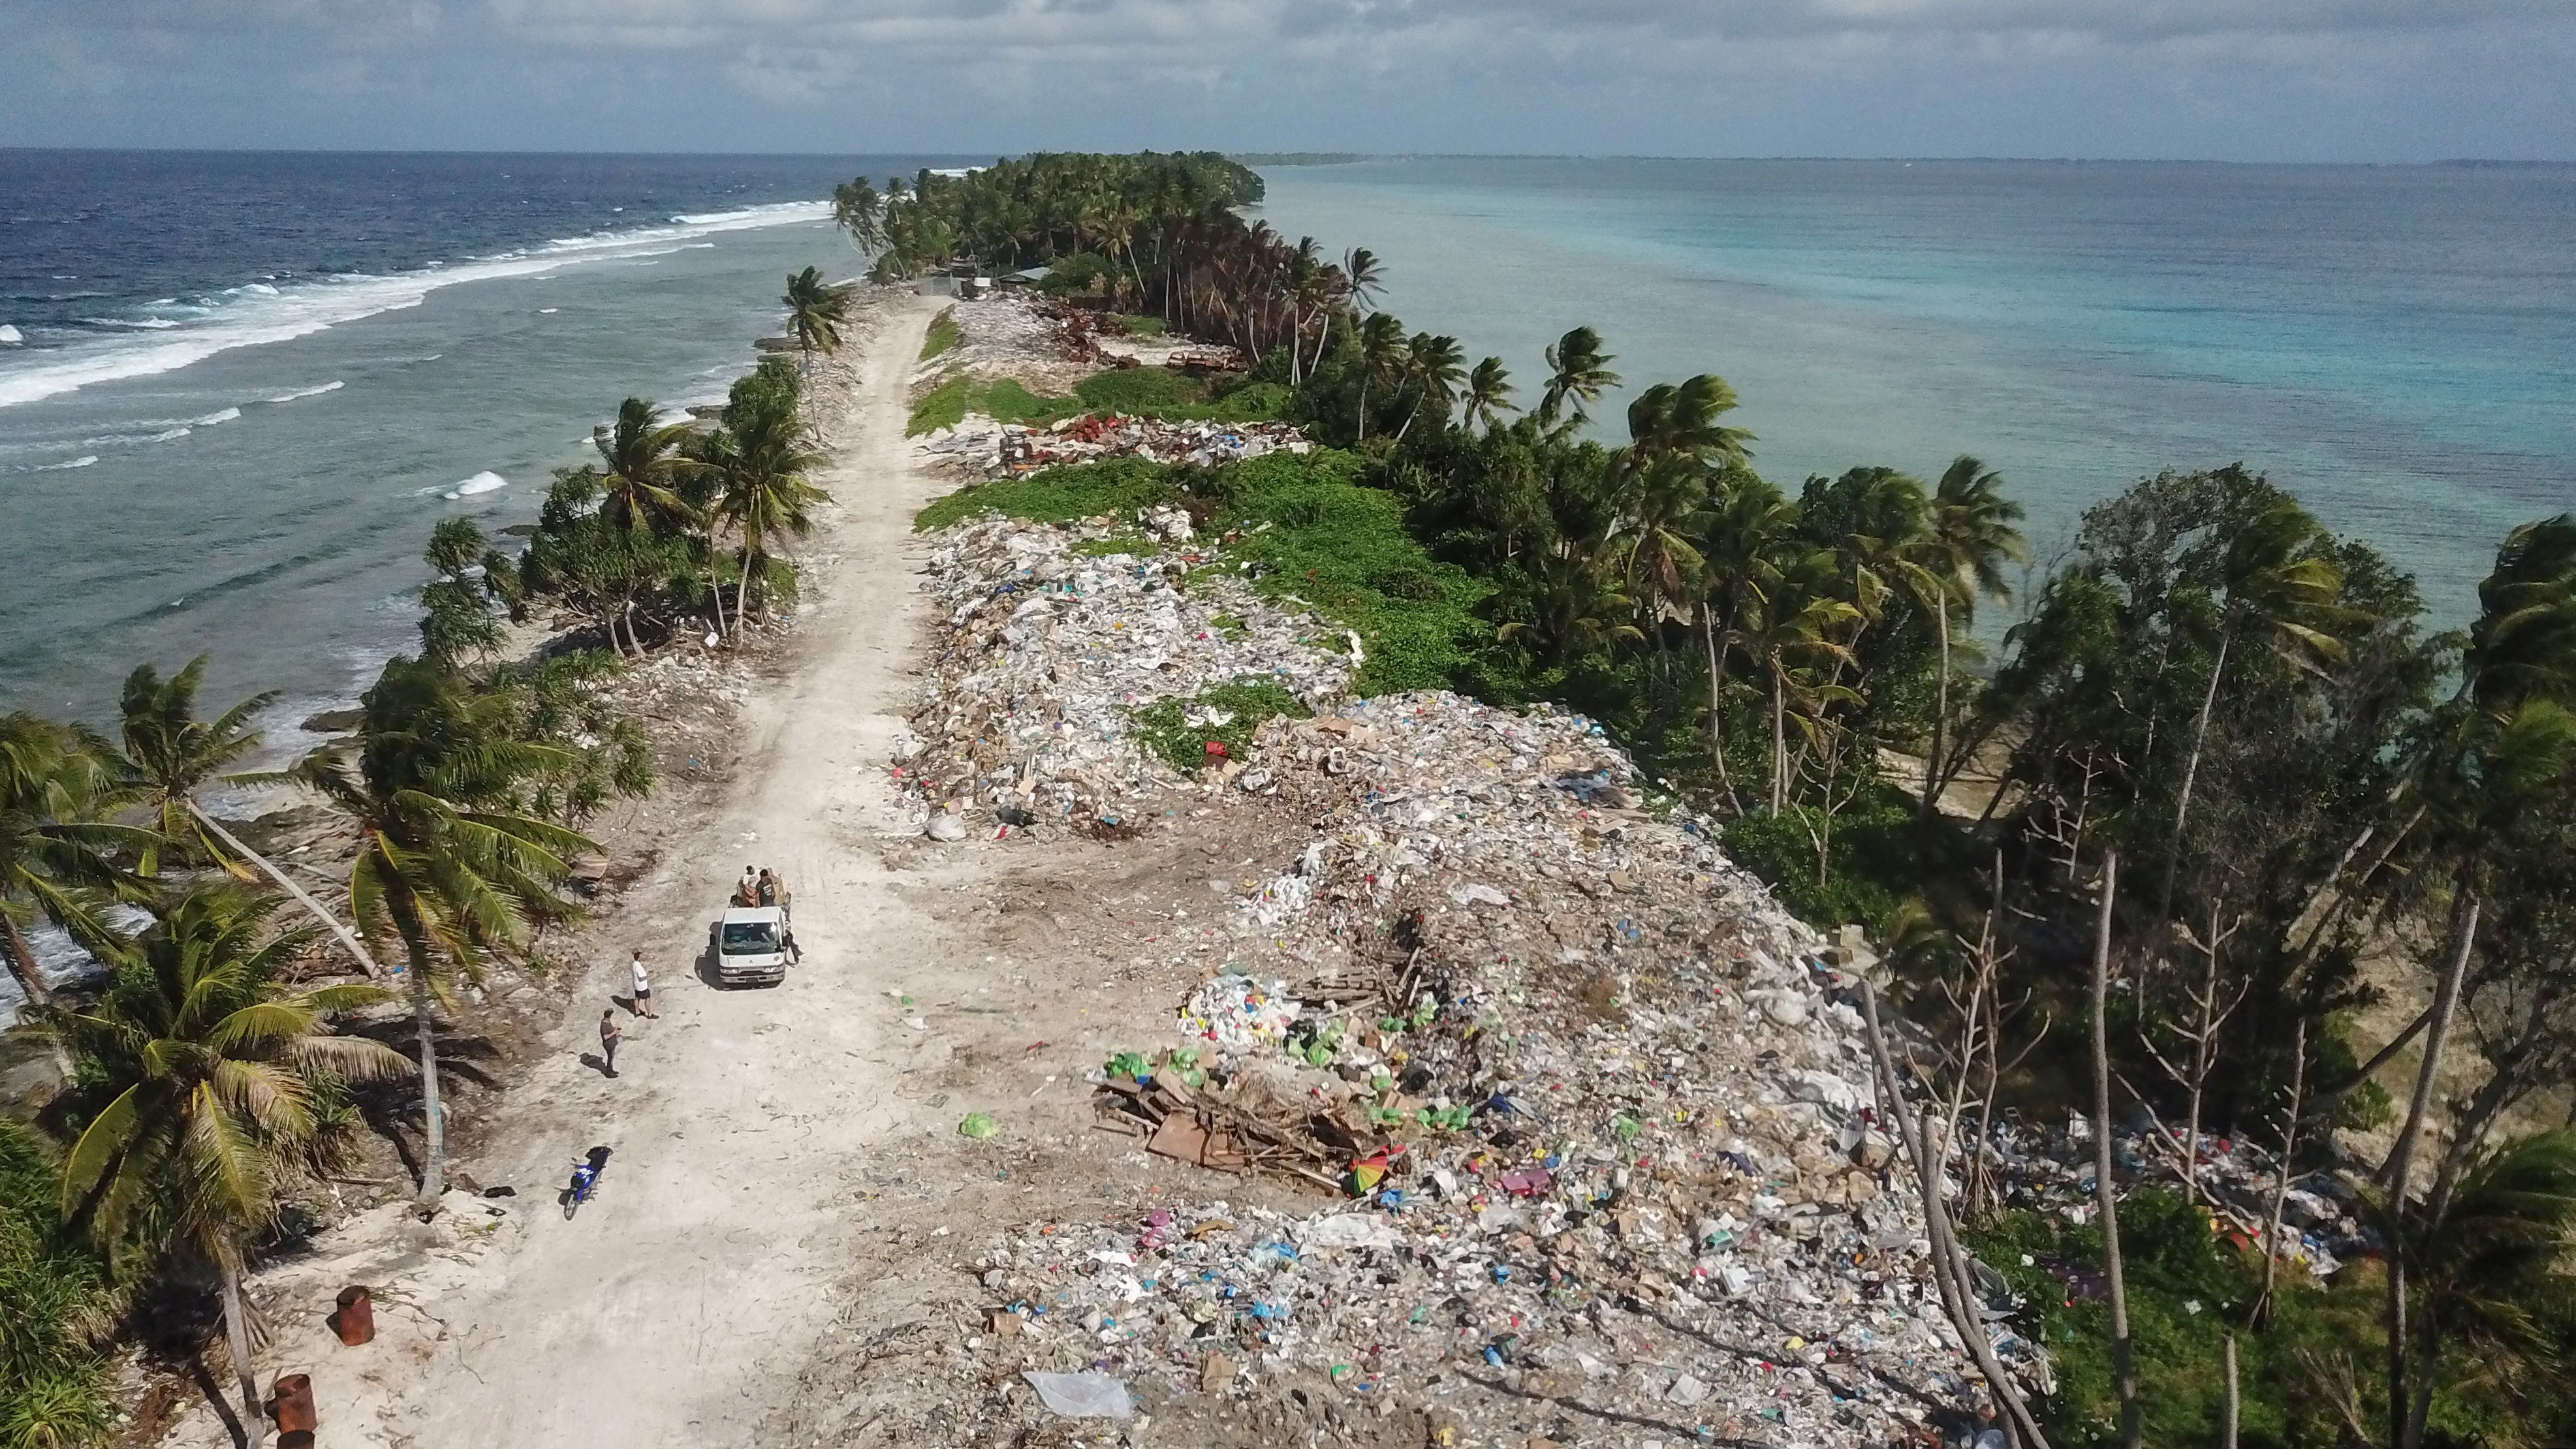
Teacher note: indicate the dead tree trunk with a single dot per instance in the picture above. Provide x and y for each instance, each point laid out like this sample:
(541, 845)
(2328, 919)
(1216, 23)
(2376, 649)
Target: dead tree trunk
(2124, 1369)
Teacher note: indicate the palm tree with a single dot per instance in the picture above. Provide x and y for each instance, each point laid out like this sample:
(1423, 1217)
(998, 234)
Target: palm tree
(641, 464)
(1791, 623)
(444, 864)
(760, 462)
(1655, 540)
(815, 311)
(57, 849)
(1683, 419)
(1434, 366)
(170, 754)
(2524, 641)
(1382, 352)
(213, 1075)
(1577, 369)
(2483, 772)
(1740, 537)
(2279, 587)
(1489, 393)
(1963, 550)
(1364, 275)
(860, 211)
(1580, 610)
(2485, 1268)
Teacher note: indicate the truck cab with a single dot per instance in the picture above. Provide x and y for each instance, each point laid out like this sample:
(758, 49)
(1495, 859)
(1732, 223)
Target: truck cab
(750, 945)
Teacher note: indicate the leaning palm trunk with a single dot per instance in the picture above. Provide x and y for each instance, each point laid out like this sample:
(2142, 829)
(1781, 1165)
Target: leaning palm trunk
(433, 1153)
(1716, 704)
(1940, 721)
(237, 1342)
(1779, 739)
(2405, 1420)
(2191, 773)
(294, 892)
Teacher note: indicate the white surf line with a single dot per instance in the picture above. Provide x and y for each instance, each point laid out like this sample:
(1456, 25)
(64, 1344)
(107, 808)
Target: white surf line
(266, 314)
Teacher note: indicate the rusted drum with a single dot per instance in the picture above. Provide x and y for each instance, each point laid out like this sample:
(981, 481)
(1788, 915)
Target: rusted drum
(356, 1320)
(293, 1396)
(300, 1439)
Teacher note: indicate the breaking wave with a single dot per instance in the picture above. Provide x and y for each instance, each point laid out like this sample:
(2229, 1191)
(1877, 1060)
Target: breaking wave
(258, 313)
(486, 481)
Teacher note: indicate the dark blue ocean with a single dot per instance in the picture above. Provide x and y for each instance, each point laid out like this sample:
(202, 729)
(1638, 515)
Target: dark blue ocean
(2396, 344)
(245, 386)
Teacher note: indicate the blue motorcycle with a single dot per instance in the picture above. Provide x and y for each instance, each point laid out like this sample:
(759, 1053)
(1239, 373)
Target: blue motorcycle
(585, 1177)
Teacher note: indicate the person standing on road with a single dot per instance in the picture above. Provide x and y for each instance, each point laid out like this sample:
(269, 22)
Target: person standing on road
(643, 986)
(608, 1035)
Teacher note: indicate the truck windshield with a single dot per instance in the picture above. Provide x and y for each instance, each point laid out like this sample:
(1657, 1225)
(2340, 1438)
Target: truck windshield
(750, 938)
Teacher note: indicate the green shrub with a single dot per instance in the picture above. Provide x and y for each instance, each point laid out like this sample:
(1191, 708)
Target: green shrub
(1075, 276)
(1871, 845)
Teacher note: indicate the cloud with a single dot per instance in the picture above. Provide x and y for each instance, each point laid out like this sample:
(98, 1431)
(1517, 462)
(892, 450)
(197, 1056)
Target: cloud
(2401, 78)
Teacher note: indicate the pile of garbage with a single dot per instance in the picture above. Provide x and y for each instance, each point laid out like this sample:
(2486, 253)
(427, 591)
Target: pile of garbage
(1594, 1115)
(983, 448)
(1006, 334)
(2049, 1168)
(1053, 640)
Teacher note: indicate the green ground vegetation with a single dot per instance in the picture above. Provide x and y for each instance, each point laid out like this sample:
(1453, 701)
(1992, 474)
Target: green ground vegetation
(942, 335)
(1302, 529)
(1132, 392)
(53, 1376)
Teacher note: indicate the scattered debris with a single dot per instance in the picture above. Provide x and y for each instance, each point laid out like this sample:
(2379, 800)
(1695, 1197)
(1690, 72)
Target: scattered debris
(1597, 1113)
(1052, 640)
(986, 449)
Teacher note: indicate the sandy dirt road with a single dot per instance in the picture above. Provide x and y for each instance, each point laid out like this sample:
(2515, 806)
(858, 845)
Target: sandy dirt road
(717, 1233)
(704, 1270)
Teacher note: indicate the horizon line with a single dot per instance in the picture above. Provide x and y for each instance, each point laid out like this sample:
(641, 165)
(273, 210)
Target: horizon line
(1283, 157)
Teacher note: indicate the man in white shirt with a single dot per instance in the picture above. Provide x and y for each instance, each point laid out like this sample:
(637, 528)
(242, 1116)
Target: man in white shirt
(643, 986)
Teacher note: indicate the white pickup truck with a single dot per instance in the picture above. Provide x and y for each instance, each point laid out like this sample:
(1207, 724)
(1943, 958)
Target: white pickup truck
(750, 946)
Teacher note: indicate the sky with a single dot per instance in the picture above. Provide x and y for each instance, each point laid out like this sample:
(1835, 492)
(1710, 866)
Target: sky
(2253, 80)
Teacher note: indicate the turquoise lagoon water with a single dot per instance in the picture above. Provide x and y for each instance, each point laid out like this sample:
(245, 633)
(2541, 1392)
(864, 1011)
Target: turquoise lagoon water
(2397, 345)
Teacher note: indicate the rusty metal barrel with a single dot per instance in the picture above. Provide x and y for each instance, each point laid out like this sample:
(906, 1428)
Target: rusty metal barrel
(292, 1397)
(356, 1320)
(300, 1439)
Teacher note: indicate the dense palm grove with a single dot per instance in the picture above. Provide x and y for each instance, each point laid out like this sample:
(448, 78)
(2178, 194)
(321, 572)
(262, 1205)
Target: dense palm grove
(209, 1079)
(2311, 791)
